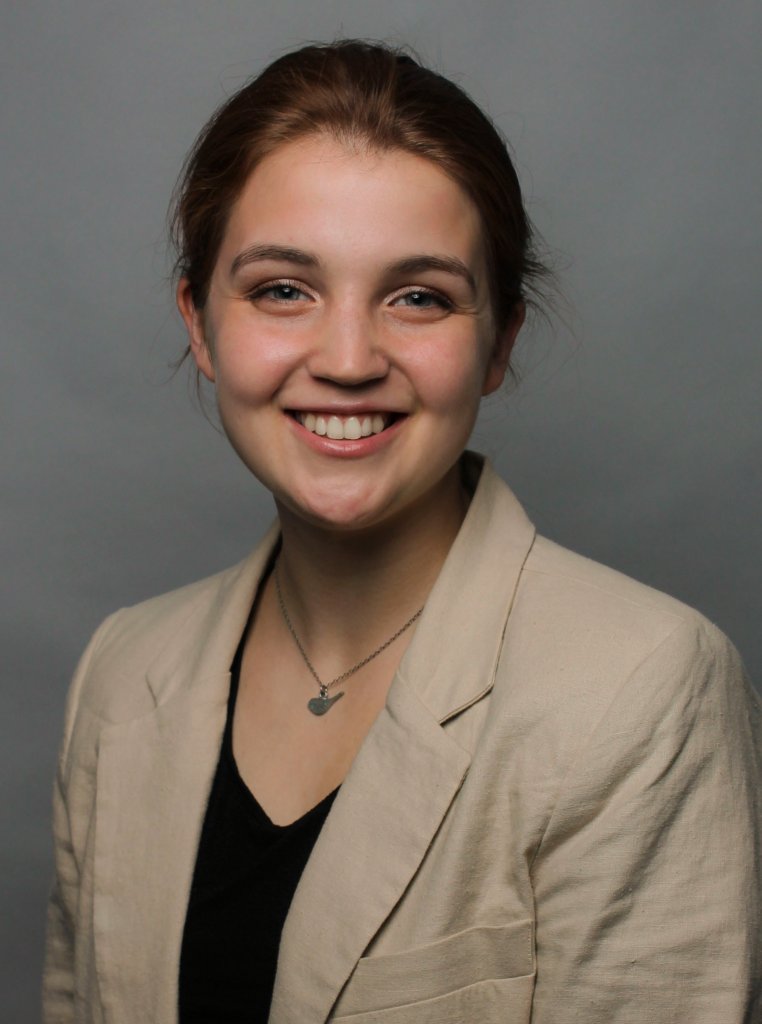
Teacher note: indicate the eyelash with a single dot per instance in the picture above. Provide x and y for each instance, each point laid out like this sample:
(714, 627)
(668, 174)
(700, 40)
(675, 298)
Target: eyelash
(428, 293)
(262, 291)
(271, 286)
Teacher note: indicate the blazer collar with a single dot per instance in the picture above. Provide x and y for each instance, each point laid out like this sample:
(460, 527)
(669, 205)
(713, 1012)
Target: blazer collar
(471, 598)
(470, 602)
(213, 629)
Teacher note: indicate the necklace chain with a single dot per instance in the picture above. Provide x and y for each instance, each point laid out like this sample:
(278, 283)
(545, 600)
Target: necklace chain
(325, 687)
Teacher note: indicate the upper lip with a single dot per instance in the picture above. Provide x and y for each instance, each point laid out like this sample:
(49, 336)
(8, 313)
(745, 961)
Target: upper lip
(352, 409)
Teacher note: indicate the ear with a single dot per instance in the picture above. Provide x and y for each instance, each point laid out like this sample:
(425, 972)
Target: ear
(501, 351)
(194, 324)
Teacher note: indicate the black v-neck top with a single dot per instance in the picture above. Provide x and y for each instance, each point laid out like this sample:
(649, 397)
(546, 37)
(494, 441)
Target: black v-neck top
(247, 870)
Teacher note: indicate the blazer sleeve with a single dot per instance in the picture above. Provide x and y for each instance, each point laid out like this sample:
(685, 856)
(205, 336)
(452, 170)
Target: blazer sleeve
(647, 880)
(58, 985)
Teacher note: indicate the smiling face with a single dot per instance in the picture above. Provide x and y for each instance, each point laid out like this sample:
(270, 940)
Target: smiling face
(348, 331)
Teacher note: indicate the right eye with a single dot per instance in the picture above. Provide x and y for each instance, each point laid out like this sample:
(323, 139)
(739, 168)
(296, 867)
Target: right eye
(285, 292)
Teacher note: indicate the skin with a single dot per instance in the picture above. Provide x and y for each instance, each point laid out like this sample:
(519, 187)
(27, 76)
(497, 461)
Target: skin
(348, 282)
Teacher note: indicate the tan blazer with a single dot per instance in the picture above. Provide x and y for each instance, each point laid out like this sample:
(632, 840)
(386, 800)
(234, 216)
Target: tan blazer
(555, 819)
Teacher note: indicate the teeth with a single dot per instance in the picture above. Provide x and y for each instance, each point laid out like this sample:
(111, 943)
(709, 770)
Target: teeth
(343, 428)
(335, 429)
(352, 429)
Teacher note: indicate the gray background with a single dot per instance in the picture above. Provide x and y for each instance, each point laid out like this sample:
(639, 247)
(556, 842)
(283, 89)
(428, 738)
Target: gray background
(634, 437)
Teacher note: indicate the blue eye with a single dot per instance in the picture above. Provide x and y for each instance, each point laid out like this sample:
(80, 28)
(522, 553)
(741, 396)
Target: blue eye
(283, 292)
(420, 298)
(279, 291)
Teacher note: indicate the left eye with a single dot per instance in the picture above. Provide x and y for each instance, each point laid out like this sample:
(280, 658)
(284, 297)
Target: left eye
(280, 292)
(420, 299)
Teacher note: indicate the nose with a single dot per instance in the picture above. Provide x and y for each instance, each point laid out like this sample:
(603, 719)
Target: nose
(349, 350)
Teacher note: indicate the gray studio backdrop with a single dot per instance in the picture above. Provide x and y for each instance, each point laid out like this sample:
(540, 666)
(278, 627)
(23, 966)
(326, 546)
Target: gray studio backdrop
(634, 436)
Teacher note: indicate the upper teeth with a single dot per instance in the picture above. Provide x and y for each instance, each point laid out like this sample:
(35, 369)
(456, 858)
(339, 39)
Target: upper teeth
(343, 428)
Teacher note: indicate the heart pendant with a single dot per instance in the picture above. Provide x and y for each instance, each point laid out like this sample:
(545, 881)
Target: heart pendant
(319, 705)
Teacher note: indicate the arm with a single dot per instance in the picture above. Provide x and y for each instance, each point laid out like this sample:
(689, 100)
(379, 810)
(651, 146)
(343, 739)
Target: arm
(647, 880)
(58, 975)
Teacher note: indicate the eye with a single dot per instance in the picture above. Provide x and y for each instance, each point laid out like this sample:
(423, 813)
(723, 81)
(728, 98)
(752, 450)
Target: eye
(285, 292)
(422, 298)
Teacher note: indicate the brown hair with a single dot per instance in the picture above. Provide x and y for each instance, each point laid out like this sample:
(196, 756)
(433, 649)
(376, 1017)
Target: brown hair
(374, 94)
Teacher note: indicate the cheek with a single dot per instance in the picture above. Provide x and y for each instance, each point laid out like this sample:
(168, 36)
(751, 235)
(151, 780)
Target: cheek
(450, 378)
(250, 371)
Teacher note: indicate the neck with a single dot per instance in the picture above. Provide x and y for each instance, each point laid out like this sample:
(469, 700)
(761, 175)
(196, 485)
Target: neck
(347, 590)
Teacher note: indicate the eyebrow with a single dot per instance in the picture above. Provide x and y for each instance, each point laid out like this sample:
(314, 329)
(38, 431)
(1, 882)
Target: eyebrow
(279, 253)
(408, 265)
(448, 264)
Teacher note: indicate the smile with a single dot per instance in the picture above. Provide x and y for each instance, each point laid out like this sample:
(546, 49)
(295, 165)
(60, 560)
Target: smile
(344, 428)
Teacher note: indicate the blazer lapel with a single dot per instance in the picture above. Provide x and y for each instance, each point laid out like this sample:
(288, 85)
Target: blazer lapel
(379, 828)
(408, 770)
(154, 777)
(453, 657)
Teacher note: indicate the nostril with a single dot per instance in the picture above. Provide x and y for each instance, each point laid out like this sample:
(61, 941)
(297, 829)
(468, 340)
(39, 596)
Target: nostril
(347, 367)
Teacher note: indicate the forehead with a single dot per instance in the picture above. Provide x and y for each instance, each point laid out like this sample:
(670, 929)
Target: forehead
(333, 197)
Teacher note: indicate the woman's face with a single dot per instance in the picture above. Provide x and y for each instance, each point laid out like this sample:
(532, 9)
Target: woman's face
(348, 330)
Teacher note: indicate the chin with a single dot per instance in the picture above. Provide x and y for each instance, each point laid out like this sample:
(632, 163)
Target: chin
(339, 512)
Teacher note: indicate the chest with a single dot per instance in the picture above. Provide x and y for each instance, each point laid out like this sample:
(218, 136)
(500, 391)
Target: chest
(289, 757)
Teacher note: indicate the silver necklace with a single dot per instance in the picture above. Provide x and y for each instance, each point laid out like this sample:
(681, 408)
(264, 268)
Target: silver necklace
(322, 703)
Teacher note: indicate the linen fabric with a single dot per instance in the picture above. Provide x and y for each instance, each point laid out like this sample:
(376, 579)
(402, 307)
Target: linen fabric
(556, 817)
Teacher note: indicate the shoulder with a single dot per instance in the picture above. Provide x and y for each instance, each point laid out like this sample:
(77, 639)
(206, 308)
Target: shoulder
(134, 635)
(602, 679)
(563, 598)
(142, 654)
(110, 681)
(594, 640)
(573, 633)
(581, 590)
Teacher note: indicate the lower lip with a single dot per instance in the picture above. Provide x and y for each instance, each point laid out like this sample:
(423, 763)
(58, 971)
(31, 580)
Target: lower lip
(355, 449)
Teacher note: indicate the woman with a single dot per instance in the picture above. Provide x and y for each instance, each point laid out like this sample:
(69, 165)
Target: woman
(408, 761)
